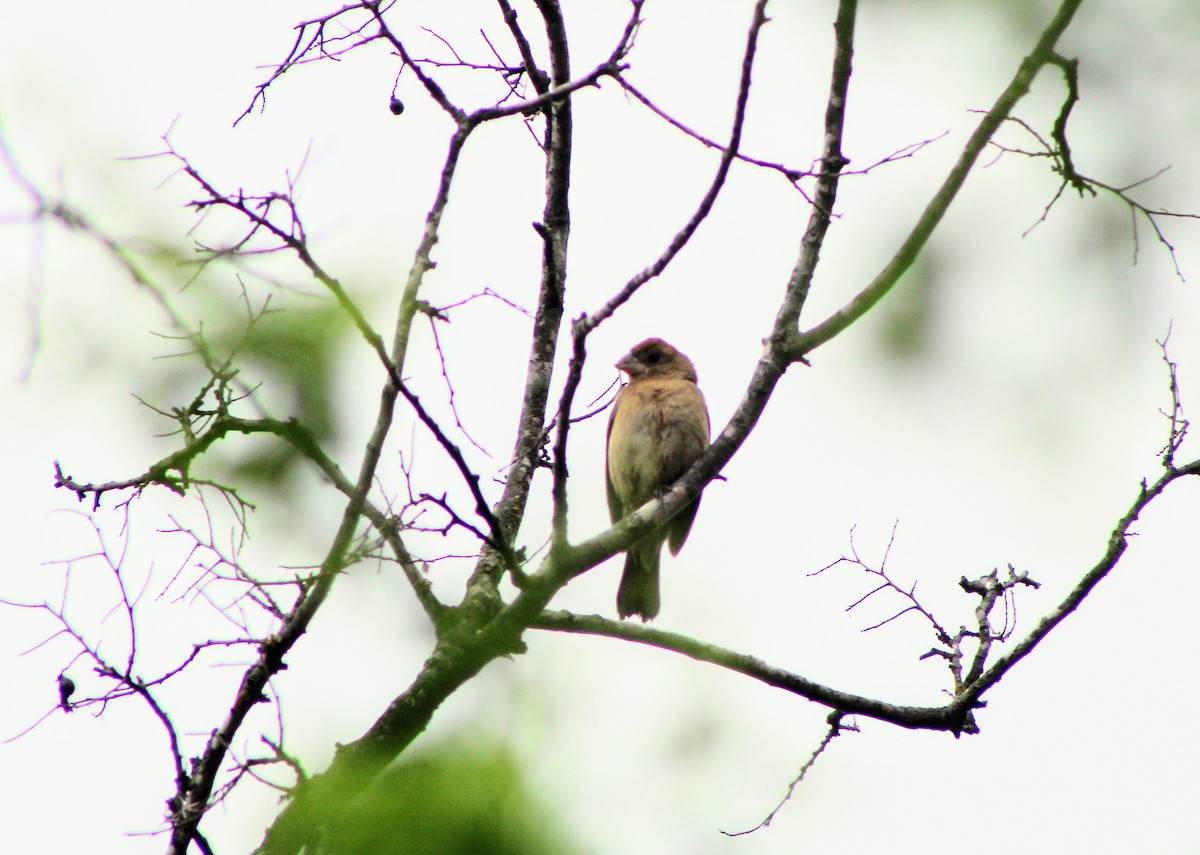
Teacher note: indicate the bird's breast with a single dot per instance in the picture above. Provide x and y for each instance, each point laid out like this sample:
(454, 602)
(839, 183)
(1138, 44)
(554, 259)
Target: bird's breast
(658, 431)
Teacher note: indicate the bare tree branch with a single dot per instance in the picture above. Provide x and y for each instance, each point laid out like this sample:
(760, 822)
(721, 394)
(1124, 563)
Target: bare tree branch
(485, 625)
(587, 323)
(836, 728)
(799, 345)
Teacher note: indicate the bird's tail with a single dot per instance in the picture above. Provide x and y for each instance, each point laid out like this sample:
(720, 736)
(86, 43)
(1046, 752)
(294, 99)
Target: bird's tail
(638, 593)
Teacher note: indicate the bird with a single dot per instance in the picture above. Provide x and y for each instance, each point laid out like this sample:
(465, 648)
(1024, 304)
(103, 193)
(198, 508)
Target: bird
(657, 429)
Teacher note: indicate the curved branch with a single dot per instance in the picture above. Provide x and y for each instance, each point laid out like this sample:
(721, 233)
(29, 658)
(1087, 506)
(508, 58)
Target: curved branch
(801, 344)
(587, 323)
(948, 717)
(953, 717)
(1117, 543)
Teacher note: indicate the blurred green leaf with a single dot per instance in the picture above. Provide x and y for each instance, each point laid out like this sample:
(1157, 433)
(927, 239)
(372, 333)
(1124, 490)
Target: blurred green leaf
(293, 353)
(299, 348)
(908, 316)
(453, 800)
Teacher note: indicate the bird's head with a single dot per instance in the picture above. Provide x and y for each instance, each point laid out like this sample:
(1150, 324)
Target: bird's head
(655, 358)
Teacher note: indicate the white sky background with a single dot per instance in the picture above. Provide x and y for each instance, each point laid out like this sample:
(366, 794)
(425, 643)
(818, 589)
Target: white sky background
(1019, 435)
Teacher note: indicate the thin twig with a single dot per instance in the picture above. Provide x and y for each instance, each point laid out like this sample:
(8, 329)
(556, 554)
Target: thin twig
(836, 728)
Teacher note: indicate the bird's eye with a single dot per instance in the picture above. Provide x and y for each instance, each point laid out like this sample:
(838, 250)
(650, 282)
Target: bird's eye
(654, 357)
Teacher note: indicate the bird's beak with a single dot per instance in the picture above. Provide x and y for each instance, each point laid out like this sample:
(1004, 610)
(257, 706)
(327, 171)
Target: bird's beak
(630, 365)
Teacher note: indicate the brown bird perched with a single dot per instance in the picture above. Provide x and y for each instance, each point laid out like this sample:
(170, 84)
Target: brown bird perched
(658, 427)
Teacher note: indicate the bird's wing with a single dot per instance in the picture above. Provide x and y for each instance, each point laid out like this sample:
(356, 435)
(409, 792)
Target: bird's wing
(614, 502)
